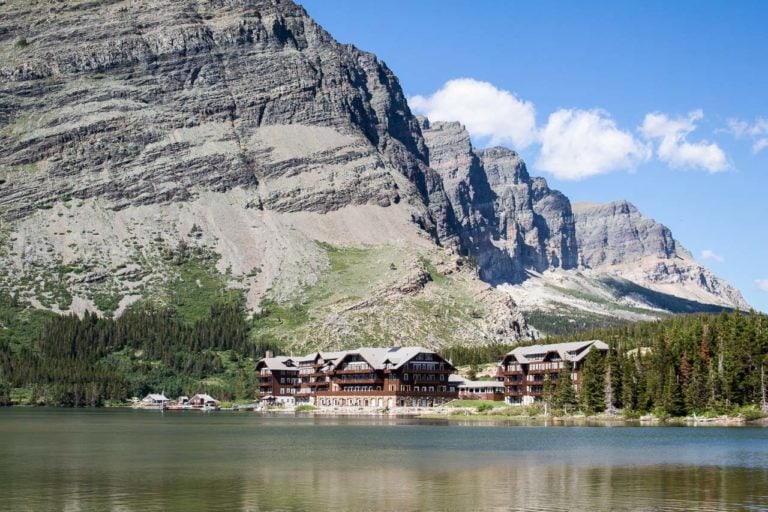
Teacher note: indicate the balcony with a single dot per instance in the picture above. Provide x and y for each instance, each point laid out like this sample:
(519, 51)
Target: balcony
(435, 369)
(352, 371)
(422, 378)
(362, 381)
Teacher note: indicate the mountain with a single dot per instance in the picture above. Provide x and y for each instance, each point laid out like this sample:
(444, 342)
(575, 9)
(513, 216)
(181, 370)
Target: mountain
(512, 222)
(180, 153)
(617, 239)
(566, 266)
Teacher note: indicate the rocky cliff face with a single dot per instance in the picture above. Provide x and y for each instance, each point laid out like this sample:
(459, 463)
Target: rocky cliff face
(617, 239)
(168, 149)
(536, 221)
(157, 151)
(601, 263)
(511, 222)
(139, 103)
(617, 233)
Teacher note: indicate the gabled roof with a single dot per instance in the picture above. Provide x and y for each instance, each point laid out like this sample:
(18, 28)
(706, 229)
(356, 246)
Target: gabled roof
(204, 397)
(278, 363)
(332, 355)
(573, 351)
(382, 358)
(156, 397)
(325, 356)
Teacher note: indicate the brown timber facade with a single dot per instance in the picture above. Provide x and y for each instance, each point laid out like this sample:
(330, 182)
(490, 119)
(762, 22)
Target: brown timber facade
(369, 378)
(525, 370)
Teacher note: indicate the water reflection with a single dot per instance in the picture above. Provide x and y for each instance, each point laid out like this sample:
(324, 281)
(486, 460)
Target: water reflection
(76, 460)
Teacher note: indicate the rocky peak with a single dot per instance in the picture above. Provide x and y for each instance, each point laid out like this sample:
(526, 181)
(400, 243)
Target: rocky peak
(616, 238)
(510, 222)
(503, 167)
(616, 233)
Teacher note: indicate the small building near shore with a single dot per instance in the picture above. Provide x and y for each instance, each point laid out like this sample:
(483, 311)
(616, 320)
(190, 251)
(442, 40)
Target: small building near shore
(481, 390)
(154, 400)
(203, 400)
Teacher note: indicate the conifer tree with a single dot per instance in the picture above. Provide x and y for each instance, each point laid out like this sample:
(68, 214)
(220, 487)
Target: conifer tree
(672, 400)
(565, 395)
(629, 384)
(592, 392)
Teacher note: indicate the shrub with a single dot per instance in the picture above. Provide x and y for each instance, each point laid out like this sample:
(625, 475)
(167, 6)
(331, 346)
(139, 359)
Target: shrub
(631, 414)
(750, 412)
(484, 408)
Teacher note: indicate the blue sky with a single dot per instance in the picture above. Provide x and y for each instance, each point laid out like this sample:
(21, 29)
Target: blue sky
(664, 104)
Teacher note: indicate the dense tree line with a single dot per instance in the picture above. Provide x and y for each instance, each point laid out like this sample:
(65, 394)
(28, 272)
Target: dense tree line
(684, 365)
(85, 361)
(688, 365)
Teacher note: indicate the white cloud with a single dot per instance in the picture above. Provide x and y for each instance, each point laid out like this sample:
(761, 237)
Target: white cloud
(762, 284)
(757, 131)
(576, 144)
(486, 111)
(674, 148)
(709, 254)
(760, 145)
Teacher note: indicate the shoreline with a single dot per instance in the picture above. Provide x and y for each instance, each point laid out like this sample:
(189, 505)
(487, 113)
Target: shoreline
(721, 421)
(465, 415)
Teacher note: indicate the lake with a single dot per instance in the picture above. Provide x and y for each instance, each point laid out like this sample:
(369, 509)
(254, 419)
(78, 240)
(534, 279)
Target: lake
(126, 460)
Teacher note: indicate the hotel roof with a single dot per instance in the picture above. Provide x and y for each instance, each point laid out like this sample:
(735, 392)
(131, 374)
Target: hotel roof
(378, 358)
(572, 351)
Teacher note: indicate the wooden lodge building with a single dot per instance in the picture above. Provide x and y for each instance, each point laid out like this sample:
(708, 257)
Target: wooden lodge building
(481, 390)
(371, 378)
(524, 370)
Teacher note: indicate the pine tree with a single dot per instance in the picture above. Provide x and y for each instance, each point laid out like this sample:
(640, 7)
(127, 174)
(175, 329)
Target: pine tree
(629, 384)
(672, 400)
(592, 392)
(696, 391)
(613, 379)
(565, 395)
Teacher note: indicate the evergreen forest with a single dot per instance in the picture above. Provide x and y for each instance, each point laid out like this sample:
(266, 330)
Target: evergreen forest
(684, 365)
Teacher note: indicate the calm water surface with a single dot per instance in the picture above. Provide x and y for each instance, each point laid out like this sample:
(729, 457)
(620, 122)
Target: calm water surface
(126, 460)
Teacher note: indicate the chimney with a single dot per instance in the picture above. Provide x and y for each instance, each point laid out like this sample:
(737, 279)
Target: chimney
(269, 354)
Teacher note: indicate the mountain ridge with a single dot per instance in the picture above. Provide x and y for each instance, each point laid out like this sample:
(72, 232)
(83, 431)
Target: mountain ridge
(241, 139)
